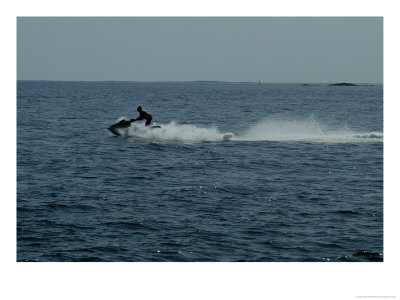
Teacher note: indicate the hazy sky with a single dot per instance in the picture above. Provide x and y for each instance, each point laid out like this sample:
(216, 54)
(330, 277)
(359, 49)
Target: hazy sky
(270, 49)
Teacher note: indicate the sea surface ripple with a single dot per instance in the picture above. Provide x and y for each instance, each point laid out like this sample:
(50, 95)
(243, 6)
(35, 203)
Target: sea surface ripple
(300, 177)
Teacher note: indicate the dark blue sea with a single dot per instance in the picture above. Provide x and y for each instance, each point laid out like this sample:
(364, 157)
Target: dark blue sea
(237, 172)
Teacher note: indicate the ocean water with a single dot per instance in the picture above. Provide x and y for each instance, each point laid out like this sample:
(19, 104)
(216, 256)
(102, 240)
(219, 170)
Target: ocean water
(238, 172)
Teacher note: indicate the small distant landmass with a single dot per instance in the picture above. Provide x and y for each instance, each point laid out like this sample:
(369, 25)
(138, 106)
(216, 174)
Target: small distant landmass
(343, 84)
(338, 84)
(350, 84)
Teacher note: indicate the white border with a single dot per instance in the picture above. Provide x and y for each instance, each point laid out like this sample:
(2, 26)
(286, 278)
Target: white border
(198, 280)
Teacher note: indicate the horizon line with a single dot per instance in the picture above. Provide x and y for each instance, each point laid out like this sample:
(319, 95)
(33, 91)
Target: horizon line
(201, 81)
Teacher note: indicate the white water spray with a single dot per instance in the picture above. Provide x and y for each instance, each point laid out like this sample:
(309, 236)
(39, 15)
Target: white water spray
(308, 130)
(272, 129)
(173, 132)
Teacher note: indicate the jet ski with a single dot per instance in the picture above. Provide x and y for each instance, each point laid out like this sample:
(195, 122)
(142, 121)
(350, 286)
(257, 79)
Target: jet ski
(115, 128)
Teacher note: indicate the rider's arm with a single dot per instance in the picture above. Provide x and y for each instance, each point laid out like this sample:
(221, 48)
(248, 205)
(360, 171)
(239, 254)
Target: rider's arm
(141, 116)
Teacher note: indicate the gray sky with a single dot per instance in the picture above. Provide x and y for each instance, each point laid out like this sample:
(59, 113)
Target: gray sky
(183, 49)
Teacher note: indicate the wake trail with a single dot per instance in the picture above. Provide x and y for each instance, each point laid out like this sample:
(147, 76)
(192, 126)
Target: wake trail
(308, 130)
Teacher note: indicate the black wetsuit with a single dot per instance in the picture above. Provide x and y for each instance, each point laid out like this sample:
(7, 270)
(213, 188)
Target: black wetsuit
(145, 115)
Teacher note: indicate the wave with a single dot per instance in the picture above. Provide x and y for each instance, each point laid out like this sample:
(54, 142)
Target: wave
(308, 130)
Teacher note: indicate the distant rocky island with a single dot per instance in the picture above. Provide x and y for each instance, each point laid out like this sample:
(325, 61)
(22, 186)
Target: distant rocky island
(343, 84)
(337, 84)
